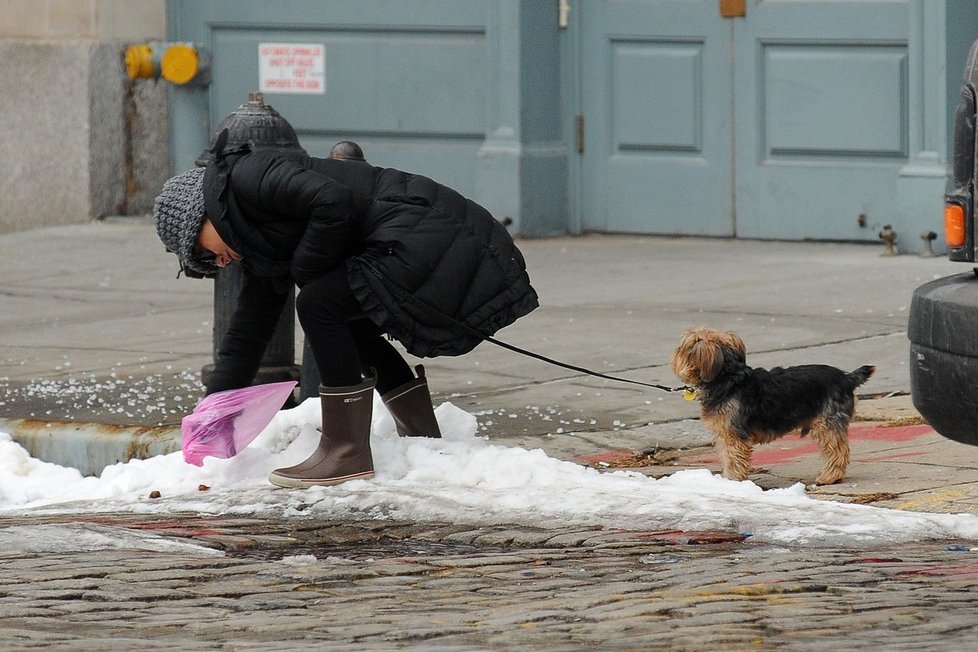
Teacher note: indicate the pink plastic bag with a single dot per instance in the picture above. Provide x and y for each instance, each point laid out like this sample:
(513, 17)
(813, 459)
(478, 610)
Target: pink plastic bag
(224, 423)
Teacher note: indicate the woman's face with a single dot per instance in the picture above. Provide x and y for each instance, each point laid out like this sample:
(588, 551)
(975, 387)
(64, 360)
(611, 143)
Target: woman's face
(210, 240)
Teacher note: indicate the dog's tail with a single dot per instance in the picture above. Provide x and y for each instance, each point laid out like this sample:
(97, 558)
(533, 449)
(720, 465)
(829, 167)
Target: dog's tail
(860, 376)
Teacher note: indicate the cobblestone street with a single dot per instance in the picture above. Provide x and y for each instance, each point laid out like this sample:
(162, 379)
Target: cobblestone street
(253, 584)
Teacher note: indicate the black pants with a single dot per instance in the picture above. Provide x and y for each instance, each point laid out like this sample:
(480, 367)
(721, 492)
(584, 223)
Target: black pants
(344, 342)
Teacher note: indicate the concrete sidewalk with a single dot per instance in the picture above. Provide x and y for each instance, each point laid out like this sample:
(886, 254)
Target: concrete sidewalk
(102, 347)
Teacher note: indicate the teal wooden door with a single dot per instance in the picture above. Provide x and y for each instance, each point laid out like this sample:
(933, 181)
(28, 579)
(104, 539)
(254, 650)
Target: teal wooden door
(790, 122)
(656, 107)
(821, 106)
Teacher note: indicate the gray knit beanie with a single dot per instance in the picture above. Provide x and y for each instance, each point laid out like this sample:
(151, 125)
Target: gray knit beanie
(179, 214)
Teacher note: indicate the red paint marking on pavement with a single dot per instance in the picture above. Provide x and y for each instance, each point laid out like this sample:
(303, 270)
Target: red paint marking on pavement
(945, 571)
(167, 527)
(891, 433)
(791, 447)
(606, 456)
(657, 534)
(690, 537)
(876, 560)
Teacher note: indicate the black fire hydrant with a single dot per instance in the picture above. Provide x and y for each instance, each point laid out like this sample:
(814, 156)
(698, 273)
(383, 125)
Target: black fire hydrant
(261, 127)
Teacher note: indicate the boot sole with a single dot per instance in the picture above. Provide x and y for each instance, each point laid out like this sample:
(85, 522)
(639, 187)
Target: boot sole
(302, 483)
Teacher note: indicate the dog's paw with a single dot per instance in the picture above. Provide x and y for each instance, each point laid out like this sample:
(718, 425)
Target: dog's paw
(828, 478)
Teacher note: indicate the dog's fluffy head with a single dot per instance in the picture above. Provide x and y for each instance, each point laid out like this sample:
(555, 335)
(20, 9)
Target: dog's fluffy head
(701, 352)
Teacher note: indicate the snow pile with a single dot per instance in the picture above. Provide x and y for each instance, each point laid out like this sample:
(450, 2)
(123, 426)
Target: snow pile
(462, 479)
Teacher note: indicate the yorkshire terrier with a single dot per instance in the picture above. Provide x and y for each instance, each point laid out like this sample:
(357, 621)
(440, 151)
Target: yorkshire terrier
(744, 407)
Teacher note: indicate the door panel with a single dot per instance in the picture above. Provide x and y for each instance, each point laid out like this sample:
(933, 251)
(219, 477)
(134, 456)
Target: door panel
(803, 118)
(656, 100)
(821, 105)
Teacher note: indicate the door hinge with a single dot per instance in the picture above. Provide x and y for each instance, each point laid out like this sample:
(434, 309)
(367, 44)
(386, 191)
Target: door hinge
(579, 133)
(563, 13)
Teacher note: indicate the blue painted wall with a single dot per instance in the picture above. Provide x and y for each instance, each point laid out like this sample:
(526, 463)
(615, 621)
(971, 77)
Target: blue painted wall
(791, 122)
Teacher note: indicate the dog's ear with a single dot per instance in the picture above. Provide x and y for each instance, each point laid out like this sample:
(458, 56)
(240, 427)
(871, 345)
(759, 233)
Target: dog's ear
(732, 341)
(707, 358)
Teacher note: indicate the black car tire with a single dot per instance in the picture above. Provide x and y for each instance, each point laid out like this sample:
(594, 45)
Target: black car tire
(943, 333)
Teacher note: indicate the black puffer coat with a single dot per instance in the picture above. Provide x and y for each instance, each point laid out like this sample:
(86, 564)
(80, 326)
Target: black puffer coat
(415, 252)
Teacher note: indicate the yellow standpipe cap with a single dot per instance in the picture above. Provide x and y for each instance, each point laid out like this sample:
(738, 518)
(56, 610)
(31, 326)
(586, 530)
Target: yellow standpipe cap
(180, 64)
(139, 61)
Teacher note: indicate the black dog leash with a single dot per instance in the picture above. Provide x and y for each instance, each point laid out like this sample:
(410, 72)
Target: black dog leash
(565, 365)
(404, 294)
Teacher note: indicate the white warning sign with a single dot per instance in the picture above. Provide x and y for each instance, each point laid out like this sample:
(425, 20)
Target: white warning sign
(292, 68)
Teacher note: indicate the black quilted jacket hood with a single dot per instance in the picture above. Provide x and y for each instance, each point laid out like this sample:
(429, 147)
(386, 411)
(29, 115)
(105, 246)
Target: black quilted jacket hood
(428, 265)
